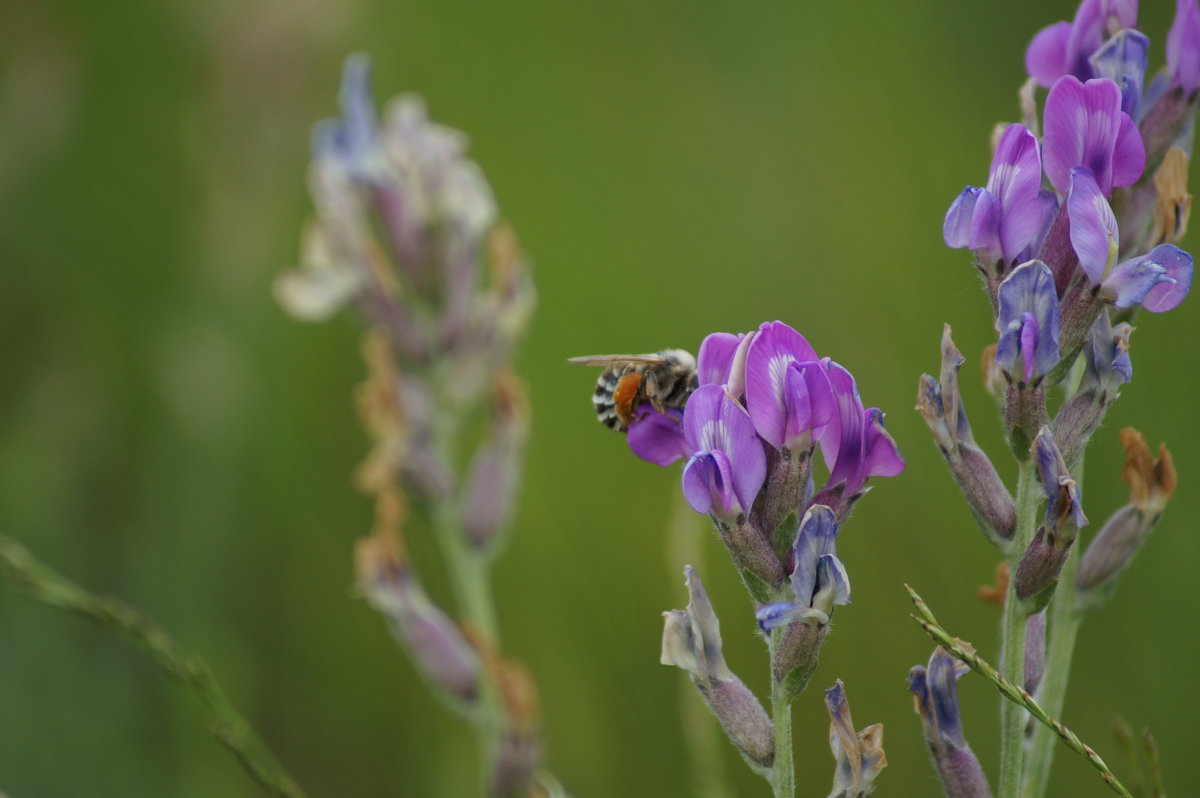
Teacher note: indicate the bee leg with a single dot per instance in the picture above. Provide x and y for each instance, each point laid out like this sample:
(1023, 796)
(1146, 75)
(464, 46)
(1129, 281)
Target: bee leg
(652, 393)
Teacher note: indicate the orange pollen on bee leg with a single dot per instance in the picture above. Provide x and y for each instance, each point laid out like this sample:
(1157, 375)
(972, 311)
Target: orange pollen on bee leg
(626, 392)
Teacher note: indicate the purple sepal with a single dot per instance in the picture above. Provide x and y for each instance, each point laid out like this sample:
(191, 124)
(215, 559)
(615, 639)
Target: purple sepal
(787, 392)
(1027, 322)
(715, 358)
(657, 437)
(1094, 234)
(1062, 492)
(1176, 265)
(1183, 46)
(728, 464)
(1122, 59)
(1083, 125)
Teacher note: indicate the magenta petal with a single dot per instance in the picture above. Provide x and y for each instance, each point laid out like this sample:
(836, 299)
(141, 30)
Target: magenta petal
(702, 409)
(1080, 128)
(1093, 226)
(658, 438)
(1129, 153)
(841, 443)
(797, 404)
(774, 347)
(1178, 266)
(985, 225)
(880, 455)
(745, 449)
(820, 394)
(697, 475)
(1183, 46)
(1046, 56)
(1014, 180)
(715, 358)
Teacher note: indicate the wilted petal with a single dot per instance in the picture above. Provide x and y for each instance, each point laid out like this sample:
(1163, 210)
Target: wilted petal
(1183, 46)
(1080, 126)
(658, 437)
(350, 139)
(1094, 235)
(1122, 59)
(1062, 492)
(1027, 322)
(715, 357)
(860, 756)
(1177, 265)
(1014, 180)
(1046, 56)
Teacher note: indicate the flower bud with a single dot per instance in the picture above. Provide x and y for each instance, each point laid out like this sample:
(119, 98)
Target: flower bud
(495, 470)
(692, 641)
(436, 646)
(940, 404)
(1151, 483)
(935, 696)
(1038, 570)
(860, 756)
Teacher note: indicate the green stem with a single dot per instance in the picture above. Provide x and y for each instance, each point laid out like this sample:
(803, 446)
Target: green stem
(41, 583)
(783, 776)
(1012, 636)
(1062, 631)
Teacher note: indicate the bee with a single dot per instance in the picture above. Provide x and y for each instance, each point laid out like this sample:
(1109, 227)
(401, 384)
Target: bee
(664, 379)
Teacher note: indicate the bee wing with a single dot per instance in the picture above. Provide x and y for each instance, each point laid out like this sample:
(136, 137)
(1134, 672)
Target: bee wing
(615, 360)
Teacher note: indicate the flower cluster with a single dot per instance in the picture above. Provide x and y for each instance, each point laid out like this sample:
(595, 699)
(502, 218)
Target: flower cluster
(1081, 222)
(407, 235)
(1073, 233)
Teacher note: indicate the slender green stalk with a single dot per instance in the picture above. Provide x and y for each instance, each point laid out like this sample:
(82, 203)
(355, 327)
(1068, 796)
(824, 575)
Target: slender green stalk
(41, 583)
(1012, 636)
(1012, 693)
(783, 775)
(1062, 631)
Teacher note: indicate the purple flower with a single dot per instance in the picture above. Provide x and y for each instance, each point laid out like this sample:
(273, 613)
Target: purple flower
(1158, 280)
(935, 690)
(1065, 47)
(819, 579)
(787, 391)
(715, 358)
(1083, 125)
(855, 444)
(1094, 234)
(1122, 59)
(1183, 46)
(727, 464)
(658, 437)
(1062, 493)
(1027, 322)
(1000, 220)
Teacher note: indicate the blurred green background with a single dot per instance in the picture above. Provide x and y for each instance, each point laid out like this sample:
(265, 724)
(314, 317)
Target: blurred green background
(169, 436)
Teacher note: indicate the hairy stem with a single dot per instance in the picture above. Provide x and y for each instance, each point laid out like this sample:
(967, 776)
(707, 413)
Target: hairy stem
(1062, 632)
(1012, 637)
(41, 583)
(783, 776)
